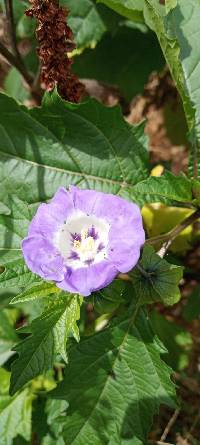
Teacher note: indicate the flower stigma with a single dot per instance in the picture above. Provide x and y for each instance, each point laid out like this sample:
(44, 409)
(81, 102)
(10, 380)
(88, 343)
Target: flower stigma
(86, 246)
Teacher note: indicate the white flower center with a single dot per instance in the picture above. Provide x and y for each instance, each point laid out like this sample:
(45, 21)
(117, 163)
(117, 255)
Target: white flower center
(82, 240)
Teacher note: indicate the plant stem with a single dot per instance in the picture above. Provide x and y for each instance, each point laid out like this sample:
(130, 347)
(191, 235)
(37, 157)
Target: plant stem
(18, 63)
(144, 272)
(153, 442)
(14, 61)
(11, 27)
(166, 239)
(171, 422)
(126, 277)
(172, 234)
(14, 57)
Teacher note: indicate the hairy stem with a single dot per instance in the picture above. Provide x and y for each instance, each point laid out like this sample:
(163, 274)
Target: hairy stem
(172, 234)
(166, 239)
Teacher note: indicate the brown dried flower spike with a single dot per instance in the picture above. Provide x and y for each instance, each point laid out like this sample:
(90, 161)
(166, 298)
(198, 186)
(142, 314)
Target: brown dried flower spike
(55, 41)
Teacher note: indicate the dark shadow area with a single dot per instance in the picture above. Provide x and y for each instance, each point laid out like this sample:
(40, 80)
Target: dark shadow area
(124, 59)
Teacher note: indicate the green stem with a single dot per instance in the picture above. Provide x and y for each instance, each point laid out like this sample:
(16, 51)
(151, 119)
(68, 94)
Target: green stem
(144, 272)
(172, 234)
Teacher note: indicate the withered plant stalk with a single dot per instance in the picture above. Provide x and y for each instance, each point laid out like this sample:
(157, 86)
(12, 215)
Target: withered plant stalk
(55, 40)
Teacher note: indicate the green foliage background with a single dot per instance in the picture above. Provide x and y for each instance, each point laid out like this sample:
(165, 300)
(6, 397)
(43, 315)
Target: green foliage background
(64, 381)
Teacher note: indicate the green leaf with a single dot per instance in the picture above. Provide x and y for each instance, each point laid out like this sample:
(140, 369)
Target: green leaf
(15, 418)
(178, 34)
(4, 210)
(42, 150)
(131, 9)
(4, 381)
(8, 337)
(110, 376)
(170, 4)
(85, 21)
(160, 279)
(155, 18)
(36, 352)
(108, 299)
(16, 273)
(67, 325)
(168, 189)
(102, 63)
(18, 8)
(192, 308)
(14, 86)
(175, 338)
(26, 26)
(56, 413)
(184, 23)
(38, 290)
(49, 440)
(196, 191)
(13, 228)
(15, 412)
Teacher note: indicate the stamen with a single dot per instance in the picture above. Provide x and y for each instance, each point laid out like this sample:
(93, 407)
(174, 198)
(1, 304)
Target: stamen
(92, 232)
(84, 234)
(100, 247)
(89, 262)
(83, 240)
(76, 236)
(74, 256)
(77, 244)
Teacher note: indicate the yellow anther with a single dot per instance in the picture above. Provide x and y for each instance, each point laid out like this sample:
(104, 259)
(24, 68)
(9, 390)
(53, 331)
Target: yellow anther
(84, 233)
(77, 244)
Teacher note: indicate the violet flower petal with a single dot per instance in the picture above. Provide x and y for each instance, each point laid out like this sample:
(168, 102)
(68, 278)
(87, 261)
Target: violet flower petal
(50, 216)
(42, 258)
(104, 205)
(110, 235)
(88, 279)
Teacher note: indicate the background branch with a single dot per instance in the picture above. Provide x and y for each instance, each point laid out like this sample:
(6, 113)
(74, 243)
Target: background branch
(14, 57)
(19, 65)
(171, 422)
(16, 62)
(11, 27)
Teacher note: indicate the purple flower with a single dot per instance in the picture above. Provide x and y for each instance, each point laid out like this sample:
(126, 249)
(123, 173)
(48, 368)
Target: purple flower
(82, 239)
